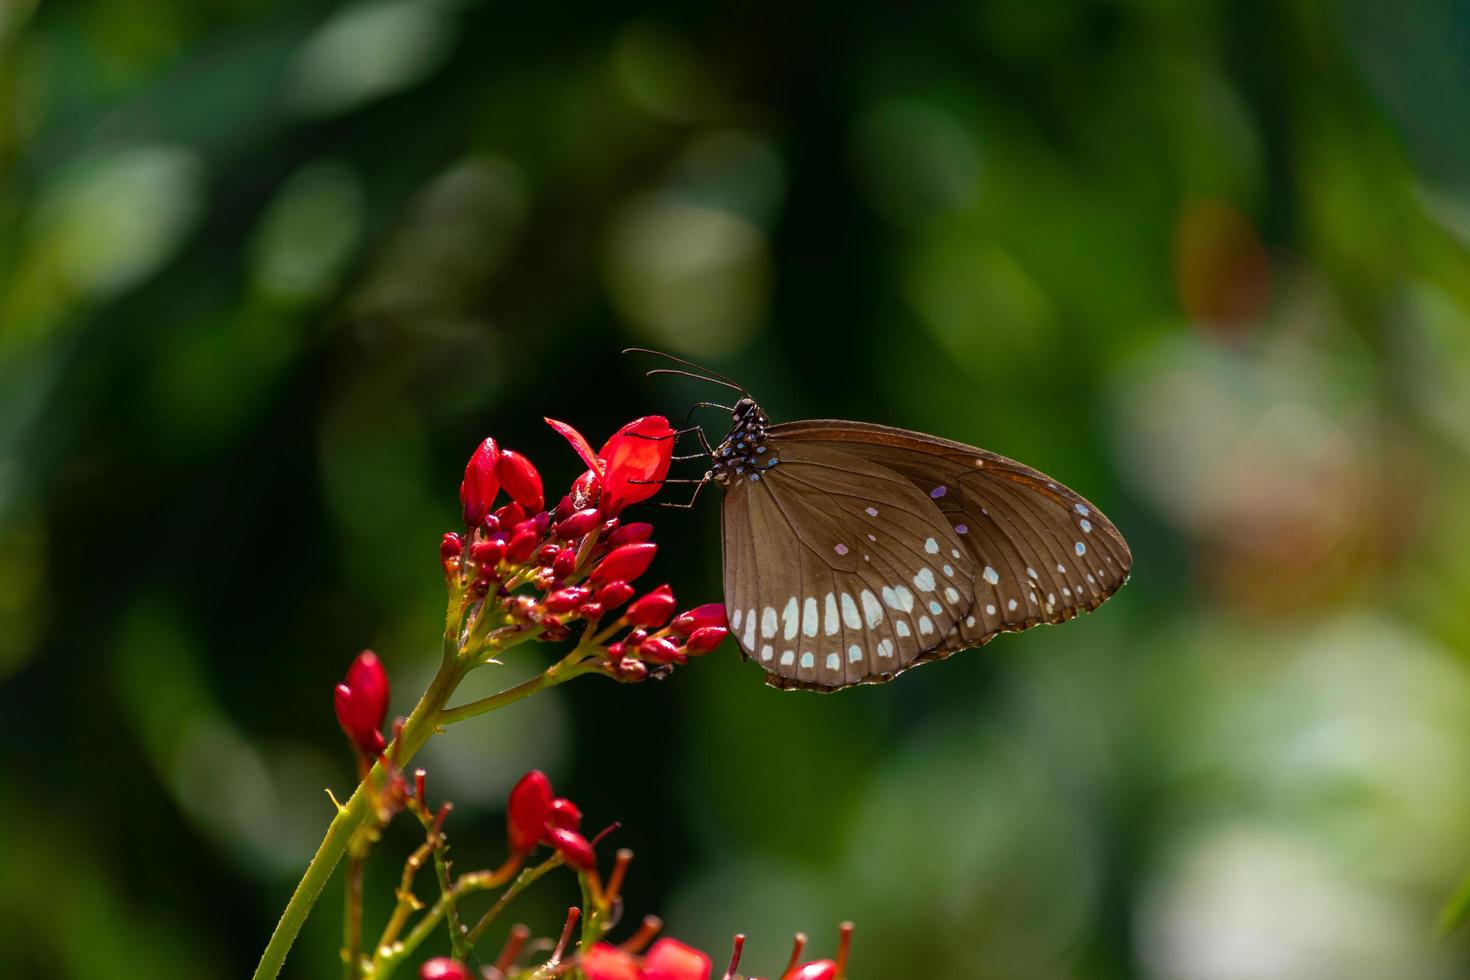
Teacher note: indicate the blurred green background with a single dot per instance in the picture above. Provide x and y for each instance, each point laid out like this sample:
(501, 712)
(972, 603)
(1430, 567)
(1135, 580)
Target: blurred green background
(269, 270)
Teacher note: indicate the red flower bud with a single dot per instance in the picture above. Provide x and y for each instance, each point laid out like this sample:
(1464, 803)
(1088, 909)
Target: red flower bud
(615, 650)
(625, 563)
(636, 460)
(709, 614)
(586, 489)
(629, 669)
(607, 962)
(444, 968)
(522, 543)
(573, 847)
(481, 483)
(578, 524)
(450, 549)
(565, 600)
(705, 639)
(488, 553)
(614, 594)
(565, 563)
(520, 479)
(362, 703)
(565, 814)
(670, 959)
(653, 609)
(590, 611)
(815, 970)
(510, 515)
(633, 533)
(660, 650)
(527, 810)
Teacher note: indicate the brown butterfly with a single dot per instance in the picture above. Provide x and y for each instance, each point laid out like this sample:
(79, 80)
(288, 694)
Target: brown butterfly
(855, 551)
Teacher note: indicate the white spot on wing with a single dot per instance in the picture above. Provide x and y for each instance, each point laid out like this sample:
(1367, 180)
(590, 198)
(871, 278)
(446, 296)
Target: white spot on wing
(850, 617)
(926, 625)
(790, 619)
(1086, 526)
(749, 637)
(1081, 509)
(885, 648)
(788, 657)
(931, 546)
(735, 620)
(1011, 605)
(833, 661)
(989, 611)
(854, 653)
(809, 616)
(991, 575)
(936, 608)
(766, 652)
(1081, 548)
(872, 611)
(951, 595)
(807, 660)
(768, 622)
(901, 627)
(924, 580)
(831, 618)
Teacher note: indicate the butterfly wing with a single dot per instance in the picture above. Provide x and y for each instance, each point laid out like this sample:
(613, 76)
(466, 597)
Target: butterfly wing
(839, 570)
(1043, 552)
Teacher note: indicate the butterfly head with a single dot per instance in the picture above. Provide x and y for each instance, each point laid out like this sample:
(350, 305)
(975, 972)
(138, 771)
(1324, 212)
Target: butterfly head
(744, 453)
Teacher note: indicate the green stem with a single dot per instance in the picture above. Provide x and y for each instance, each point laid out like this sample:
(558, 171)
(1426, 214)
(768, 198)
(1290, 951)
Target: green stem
(524, 880)
(558, 673)
(352, 920)
(351, 816)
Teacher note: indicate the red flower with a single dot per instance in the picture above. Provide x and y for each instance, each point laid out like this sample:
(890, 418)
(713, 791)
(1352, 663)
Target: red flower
(660, 650)
(709, 614)
(362, 703)
(481, 483)
(631, 533)
(527, 811)
(444, 968)
(606, 962)
(653, 609)
(520, 479)
(636, 461)
(614, 594)
(670, 959)
(632, 464)
(625, 563)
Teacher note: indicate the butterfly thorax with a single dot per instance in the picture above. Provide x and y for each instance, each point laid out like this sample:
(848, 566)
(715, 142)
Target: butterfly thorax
(744, 452)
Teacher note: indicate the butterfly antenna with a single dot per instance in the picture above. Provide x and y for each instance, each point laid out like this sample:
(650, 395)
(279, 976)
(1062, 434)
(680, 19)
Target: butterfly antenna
(714, 377)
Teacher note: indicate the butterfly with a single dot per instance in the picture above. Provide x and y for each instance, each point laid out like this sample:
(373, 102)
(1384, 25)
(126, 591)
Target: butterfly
(855, 551)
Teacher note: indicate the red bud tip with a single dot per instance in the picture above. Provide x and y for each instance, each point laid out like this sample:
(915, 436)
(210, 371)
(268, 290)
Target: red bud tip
(450, 548)
(709, 614)
(607, 962)
(578, 524)
(362, 703)
(481, 484)
(653, 609)
(488, 553)
(565, 600)
(510, 515)
(444, 968)
(705, 639)
(635, 533)
(565, 814)
(636, 461)
(565, 563)
(586, 489)
(660, 650)
(815, 970)
(590, 611)
(625, 563)
(573, 847)
(522, 544)
(527, 811)
(520, 480)
(614, 594)
(670, 959)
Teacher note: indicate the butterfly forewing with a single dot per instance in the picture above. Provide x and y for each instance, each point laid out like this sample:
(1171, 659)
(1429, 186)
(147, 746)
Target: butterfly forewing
(1043, 553)
(839, 570)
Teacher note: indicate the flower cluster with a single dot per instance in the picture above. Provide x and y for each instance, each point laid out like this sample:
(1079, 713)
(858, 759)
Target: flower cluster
(575, 563)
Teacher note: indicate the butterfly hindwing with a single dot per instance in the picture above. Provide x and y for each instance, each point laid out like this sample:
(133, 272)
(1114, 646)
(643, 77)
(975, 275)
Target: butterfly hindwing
(839, 570)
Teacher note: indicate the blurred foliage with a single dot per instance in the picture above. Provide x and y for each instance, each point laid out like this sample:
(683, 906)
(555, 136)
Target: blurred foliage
(268, 270)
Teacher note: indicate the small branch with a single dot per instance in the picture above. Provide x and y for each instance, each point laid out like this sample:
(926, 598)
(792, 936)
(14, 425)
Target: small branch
(524, 880)
(408, 903)
(352, 919)
(558, 673)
